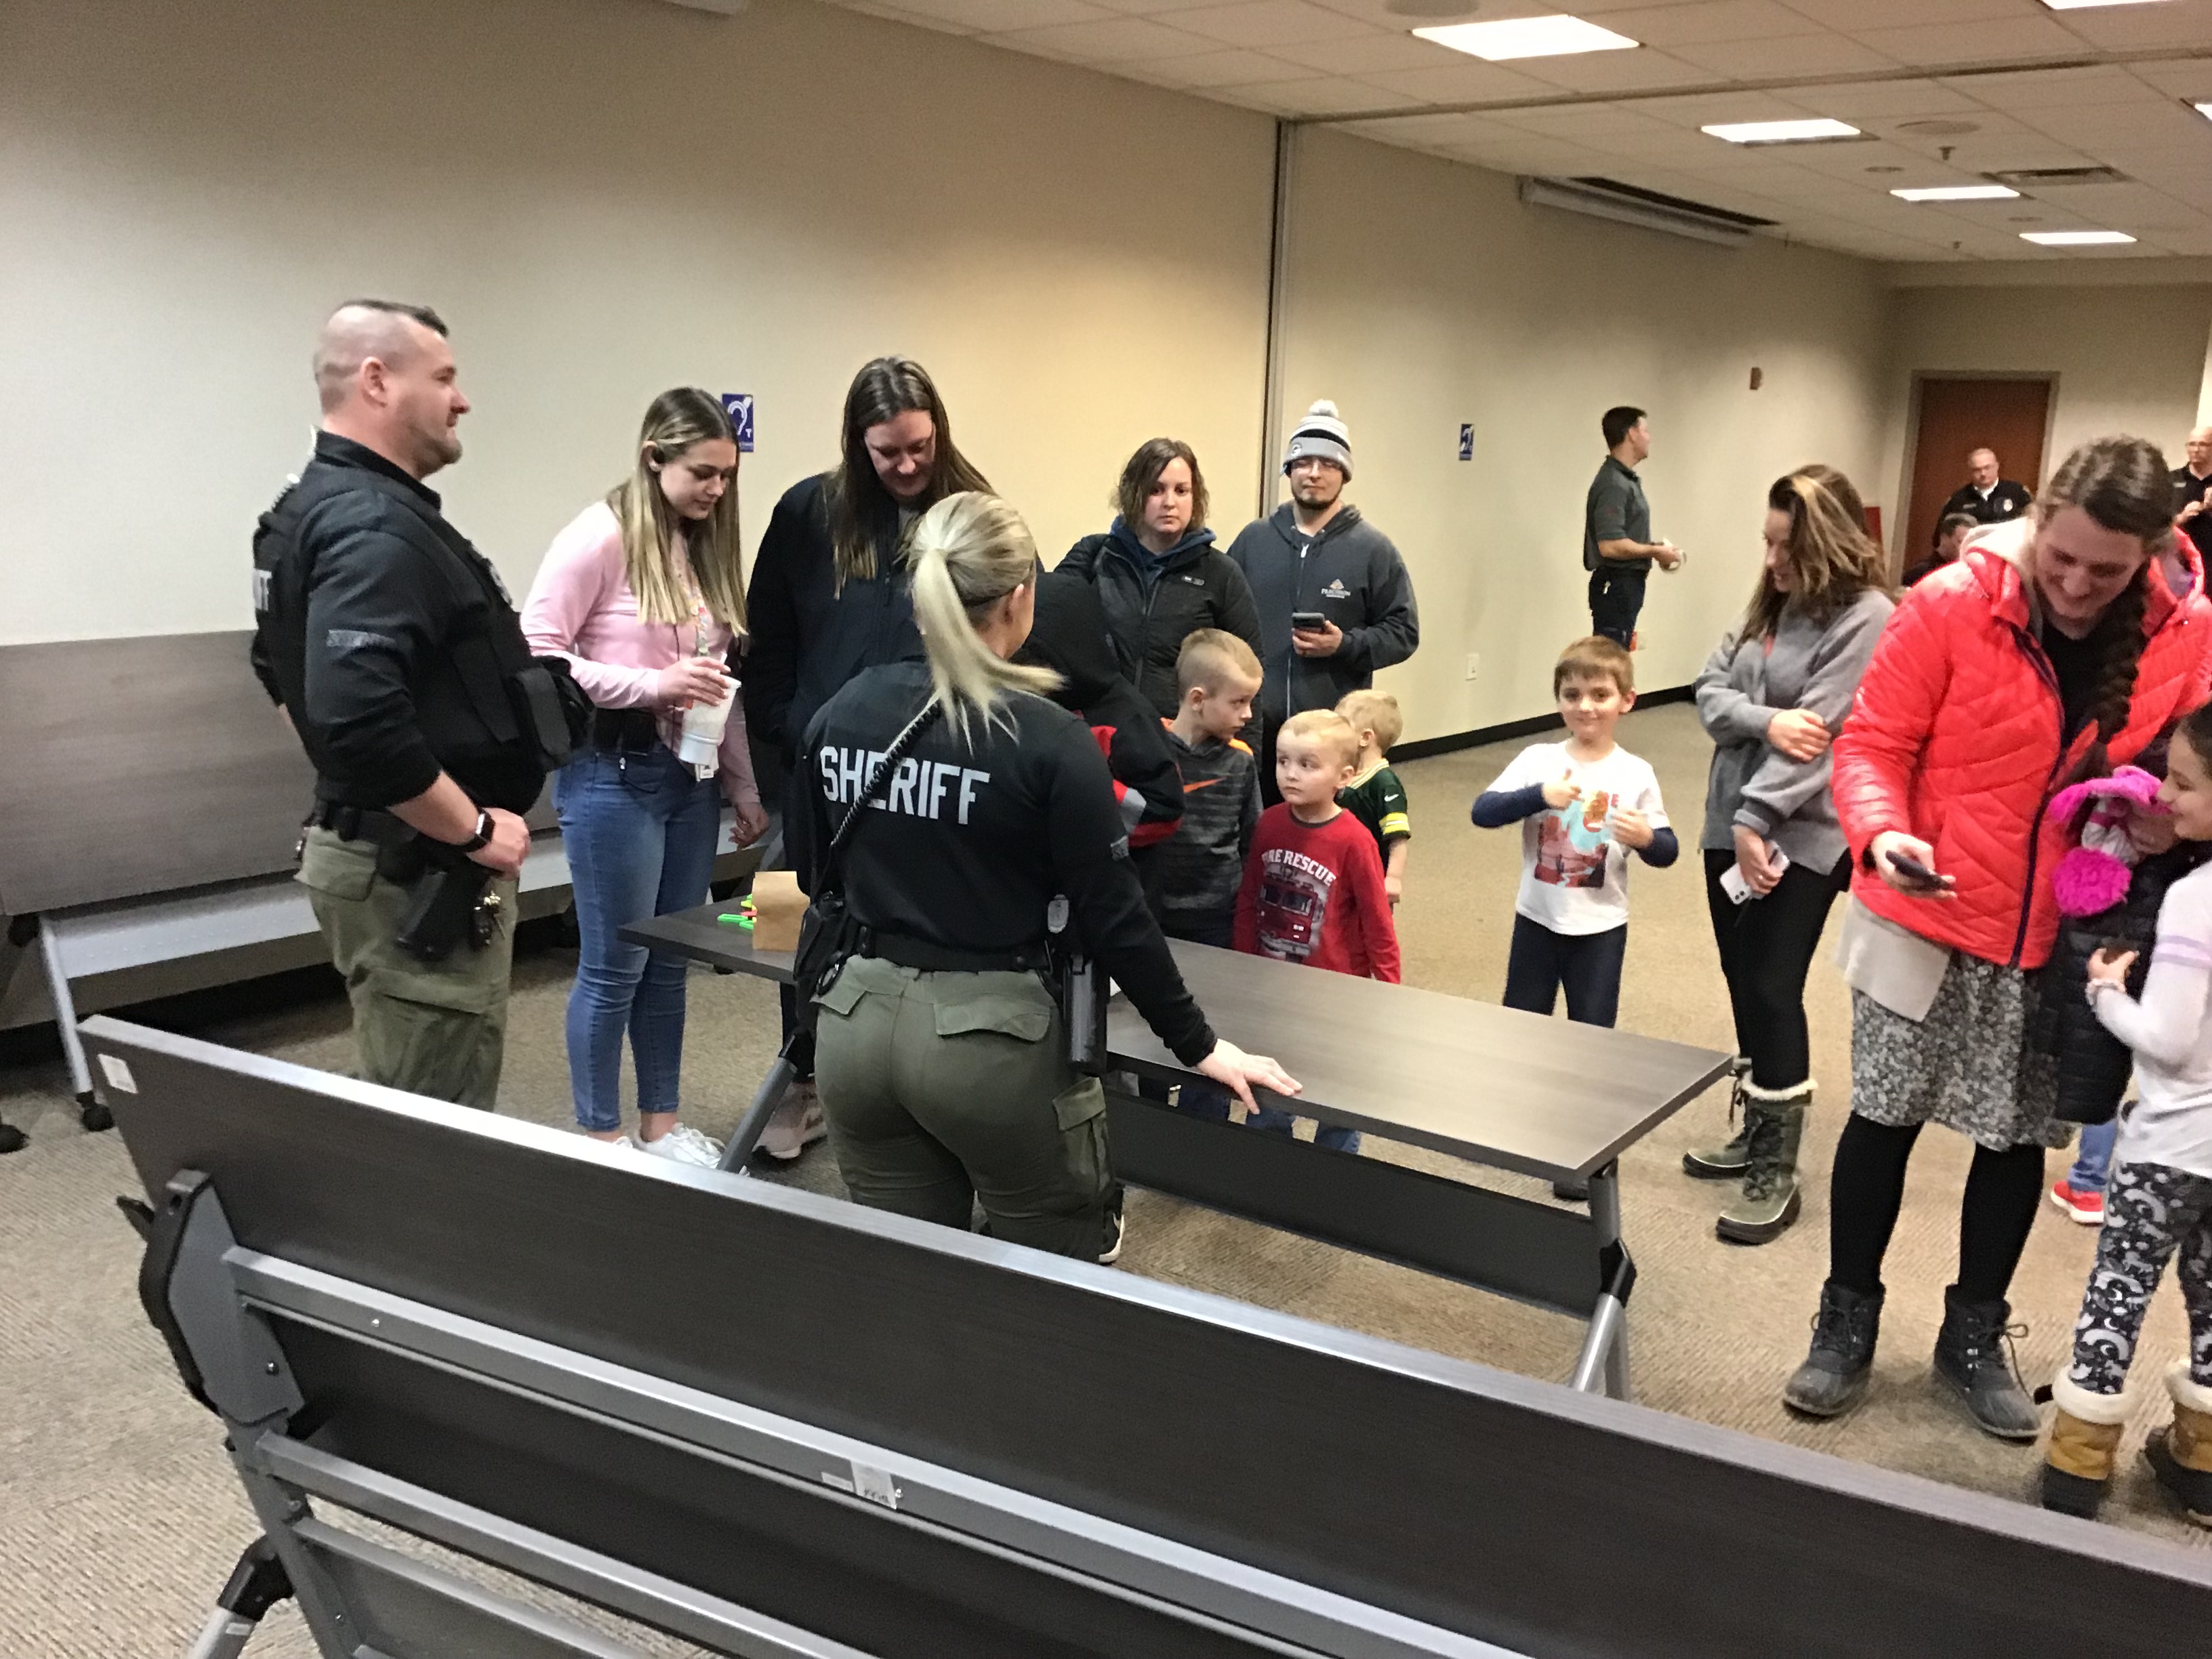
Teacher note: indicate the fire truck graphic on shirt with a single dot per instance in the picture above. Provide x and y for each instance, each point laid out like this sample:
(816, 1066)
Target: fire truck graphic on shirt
(1293, 907)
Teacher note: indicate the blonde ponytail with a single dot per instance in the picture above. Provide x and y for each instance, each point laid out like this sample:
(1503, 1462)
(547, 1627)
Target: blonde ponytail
(966, 553)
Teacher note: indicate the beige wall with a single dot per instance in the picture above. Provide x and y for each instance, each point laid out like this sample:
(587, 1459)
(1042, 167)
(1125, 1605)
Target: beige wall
(2128, 359)
(1423, 295)
(605, 198)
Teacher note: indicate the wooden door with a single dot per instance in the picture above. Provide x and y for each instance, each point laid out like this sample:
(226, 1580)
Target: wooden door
(1958, 417)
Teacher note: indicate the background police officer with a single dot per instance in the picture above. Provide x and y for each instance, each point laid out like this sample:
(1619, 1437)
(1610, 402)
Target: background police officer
(941, 1056)
(1988, 496)
(394, 649)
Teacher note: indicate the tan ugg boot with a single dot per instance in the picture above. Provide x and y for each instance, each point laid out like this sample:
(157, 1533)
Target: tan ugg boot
(2085, 1436)
(2182, 1456)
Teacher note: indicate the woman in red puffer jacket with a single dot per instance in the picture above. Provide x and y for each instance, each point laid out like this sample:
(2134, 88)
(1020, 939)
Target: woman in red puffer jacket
(2054, 648)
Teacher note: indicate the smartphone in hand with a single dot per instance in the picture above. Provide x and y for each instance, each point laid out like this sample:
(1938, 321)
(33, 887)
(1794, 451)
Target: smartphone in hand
(1310, 620)
(1917, 873)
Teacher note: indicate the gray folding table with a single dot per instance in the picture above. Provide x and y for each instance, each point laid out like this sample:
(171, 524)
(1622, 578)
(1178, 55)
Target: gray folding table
(1496, 1087)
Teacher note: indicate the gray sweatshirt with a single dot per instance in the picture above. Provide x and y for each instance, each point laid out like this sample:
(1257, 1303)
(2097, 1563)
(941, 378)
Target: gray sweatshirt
(1808, 666)
(1352, 575)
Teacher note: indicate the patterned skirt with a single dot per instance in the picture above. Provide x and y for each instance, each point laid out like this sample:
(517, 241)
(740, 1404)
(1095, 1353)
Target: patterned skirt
(1970, 1065)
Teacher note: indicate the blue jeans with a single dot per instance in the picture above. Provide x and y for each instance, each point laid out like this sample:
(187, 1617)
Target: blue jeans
(640, 833)
(2092, 1164)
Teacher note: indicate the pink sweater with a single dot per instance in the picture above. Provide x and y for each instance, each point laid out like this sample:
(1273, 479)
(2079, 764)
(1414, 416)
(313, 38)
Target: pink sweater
(581, 607)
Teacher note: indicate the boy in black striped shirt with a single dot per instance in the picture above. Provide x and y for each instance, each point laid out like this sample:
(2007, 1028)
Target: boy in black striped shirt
(1196, 870)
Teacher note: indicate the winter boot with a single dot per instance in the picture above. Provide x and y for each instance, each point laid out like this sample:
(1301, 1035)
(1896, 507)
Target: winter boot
(2182, 1456)
(1774, 1119)
(2085, 1435)
(1970, 1356)
(1834, 1374)
(1726, 1162)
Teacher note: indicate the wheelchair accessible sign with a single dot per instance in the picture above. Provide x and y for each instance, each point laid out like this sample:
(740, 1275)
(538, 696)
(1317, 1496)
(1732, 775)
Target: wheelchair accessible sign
(740, 407)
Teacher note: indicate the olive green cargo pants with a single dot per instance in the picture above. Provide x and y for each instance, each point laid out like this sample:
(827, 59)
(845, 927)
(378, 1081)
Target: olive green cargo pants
(431, 1027)
(943, 1089)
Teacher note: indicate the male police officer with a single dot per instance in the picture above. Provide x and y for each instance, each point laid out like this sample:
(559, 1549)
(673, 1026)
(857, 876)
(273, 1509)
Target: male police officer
(393, 646)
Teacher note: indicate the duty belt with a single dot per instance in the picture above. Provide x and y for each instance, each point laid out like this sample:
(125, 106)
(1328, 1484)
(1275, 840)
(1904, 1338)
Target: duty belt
(360, 823)
(904, 951)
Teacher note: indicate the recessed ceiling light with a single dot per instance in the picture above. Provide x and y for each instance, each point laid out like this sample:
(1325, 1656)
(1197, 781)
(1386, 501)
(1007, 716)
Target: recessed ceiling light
(1959, 193)
(2205, 110)
(1781, 133)
(2092, 5)
(1555, 36)
(2076, 237)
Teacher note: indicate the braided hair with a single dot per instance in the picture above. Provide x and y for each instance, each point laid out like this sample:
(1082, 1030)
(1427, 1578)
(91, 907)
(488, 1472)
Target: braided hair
(2123, 486)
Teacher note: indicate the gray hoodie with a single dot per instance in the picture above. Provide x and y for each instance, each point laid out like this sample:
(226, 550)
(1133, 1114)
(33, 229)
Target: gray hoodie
(1812, 666)
(1352, 575)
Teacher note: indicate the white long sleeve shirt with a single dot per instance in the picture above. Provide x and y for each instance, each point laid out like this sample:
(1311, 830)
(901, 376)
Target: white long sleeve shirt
(2170, 1031)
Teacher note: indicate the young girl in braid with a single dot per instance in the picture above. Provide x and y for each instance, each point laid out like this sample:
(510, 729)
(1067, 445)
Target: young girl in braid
(2052, 649)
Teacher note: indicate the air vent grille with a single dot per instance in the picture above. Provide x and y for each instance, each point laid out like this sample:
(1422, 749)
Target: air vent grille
(2049, 178)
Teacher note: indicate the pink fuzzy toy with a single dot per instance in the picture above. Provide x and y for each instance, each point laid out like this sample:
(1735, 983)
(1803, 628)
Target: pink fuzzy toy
(2093, 876)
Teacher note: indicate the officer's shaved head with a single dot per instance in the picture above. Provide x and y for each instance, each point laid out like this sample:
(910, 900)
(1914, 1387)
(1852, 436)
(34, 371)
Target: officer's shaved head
(386, 377)
(359, 329)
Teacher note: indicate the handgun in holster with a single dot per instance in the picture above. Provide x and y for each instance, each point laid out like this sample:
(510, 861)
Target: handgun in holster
(1081, 985)
(446, 900)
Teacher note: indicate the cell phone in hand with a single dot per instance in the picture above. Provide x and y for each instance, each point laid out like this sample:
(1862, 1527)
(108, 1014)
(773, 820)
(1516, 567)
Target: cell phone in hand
(1733, 884)
(1313, 621)
(1917, 873)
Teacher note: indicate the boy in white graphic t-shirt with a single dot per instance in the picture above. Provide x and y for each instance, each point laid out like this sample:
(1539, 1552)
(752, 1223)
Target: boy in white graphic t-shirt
(1583, 805)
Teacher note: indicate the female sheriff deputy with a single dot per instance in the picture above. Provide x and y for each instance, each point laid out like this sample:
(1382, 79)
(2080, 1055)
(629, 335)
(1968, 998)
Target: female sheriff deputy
(941, 1053)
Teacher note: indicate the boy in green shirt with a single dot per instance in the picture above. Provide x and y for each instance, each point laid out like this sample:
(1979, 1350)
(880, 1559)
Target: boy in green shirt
(1375, 796)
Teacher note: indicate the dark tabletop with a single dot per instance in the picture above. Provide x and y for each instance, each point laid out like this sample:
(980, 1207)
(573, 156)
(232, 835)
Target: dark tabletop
(1468, 1078)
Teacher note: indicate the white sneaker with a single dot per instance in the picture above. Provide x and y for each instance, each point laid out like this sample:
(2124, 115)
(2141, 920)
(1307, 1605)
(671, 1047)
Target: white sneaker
(796, 1124)
(1116, 1231)
(684, 1144)
(619, 1144)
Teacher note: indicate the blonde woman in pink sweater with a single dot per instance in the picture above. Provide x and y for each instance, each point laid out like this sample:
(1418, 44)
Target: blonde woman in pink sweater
(642, 593)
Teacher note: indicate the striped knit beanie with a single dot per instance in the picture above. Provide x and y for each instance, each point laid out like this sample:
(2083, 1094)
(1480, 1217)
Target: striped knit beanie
(1321, 434)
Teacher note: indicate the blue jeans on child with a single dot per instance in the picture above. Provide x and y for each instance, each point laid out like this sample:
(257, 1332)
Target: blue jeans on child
(2093, 1164)
(639, 831)
(1203, 1097)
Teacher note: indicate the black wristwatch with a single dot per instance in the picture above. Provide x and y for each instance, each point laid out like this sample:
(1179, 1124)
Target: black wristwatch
(482, 839)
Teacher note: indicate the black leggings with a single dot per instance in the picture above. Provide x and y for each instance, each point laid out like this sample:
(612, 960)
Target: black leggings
(1767, 946)
(2003, 1191)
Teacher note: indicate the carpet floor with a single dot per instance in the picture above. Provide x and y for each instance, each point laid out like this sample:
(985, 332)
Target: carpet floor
(119, 1518)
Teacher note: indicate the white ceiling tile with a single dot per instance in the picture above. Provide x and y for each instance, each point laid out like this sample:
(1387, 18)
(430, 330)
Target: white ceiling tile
(2174, 23)
(1706, 109)
(1460, 83)
(1217, 69)
(1585, 122)
(1708, 20)
(1117, 39)
(1853, 15)
(1798, 54)
(1330, 94)
(2034, 89)
(1970, 43)
(986, 16)
(1891, 100)
(1263, 23)
(1370, 54)
(2190, 81)
(1155, 7)
(1614, 71)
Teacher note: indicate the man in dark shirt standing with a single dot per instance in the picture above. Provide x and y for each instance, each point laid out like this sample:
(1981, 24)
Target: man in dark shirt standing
(2192, 492)
(1986, 496)
(1616, 546)
(395, 652)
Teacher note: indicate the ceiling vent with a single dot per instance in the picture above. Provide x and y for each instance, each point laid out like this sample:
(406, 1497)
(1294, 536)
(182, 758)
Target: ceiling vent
(2048, 178)
(1649, 210)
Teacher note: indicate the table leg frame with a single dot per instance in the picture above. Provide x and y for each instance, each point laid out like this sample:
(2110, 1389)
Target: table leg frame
(1604, 1357)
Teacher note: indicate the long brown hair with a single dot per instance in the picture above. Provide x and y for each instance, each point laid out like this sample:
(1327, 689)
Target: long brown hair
(862, 513)
(1831, 556)
(2123, 486)
(673, 423)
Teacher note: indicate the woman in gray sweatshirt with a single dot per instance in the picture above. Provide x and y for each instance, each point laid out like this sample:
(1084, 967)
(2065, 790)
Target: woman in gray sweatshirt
(1773, 697)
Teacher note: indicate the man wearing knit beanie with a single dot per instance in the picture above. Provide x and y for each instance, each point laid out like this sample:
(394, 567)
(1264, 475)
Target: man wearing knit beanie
(1335, 602)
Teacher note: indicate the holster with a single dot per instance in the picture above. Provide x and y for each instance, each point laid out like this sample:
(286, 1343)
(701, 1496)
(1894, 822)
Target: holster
(445, 891)
(1081, 986)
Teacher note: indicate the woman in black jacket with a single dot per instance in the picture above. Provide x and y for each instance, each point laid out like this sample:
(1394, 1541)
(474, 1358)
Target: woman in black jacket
(1158, 574)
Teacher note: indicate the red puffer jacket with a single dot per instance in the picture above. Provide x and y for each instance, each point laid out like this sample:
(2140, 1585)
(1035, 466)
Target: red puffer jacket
(1955, 738)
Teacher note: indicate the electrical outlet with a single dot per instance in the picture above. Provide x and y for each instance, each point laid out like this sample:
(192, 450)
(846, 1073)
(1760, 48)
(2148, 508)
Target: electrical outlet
(1473, 665)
